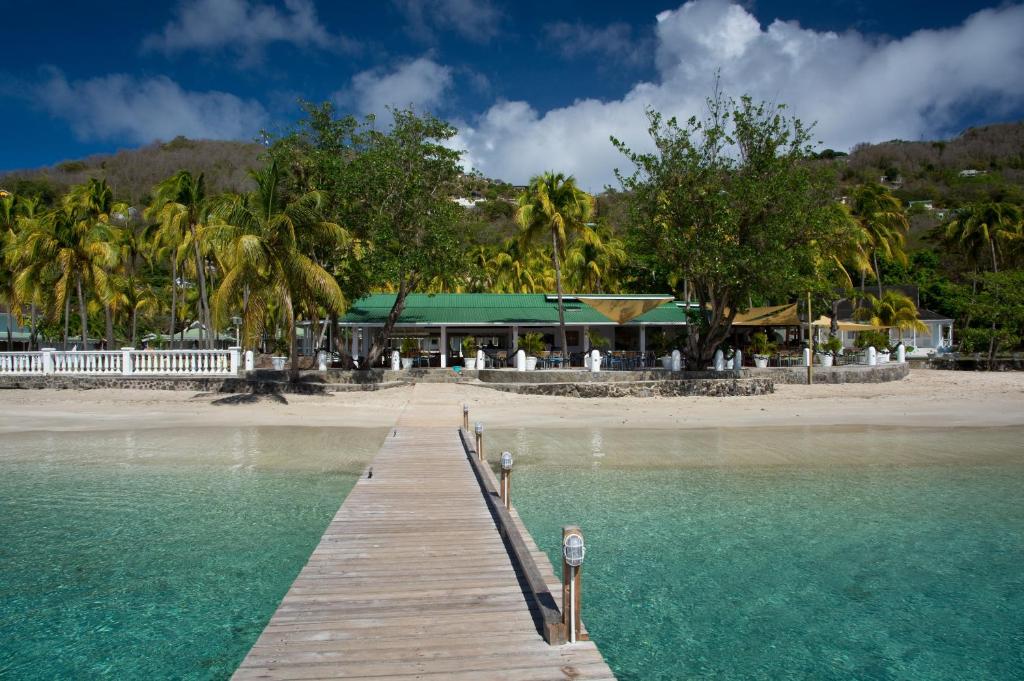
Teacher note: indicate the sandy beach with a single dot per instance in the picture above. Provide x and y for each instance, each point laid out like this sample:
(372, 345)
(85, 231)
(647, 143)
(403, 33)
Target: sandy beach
(927, 398)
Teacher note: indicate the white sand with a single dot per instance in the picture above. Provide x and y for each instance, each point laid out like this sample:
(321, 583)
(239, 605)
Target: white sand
(927, 398)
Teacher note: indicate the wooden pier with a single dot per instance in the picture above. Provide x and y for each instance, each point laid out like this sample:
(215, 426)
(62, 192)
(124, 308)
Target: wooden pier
(413, 580)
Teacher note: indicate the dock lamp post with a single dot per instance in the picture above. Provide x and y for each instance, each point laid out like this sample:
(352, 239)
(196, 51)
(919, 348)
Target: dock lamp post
(573, 552)
(465, 417)
(506, 479)
(479, 441)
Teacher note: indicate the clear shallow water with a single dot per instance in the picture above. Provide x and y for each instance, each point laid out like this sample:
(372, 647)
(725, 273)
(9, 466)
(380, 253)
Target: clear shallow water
(158, 554)
(789, 553)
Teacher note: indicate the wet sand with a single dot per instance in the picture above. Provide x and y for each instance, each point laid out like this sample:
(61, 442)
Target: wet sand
(927, 398)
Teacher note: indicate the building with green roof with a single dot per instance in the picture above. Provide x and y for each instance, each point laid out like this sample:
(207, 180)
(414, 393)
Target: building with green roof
(497, 320)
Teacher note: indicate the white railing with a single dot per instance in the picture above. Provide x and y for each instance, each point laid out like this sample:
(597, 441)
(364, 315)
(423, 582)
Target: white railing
(124, 362)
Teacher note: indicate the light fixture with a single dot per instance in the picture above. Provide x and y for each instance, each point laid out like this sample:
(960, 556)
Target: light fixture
(573, 550)
(506, 461)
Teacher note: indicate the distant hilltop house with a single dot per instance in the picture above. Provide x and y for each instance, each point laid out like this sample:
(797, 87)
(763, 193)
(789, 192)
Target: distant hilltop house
(923, 203)
(467, 203)
(971, 172)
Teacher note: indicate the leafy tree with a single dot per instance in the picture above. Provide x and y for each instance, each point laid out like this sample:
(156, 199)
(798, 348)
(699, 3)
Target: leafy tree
(985, 229)
(894, 310)
(260, 244)
(401, 185)
(731, 205)
(593, 261)
(554, 208)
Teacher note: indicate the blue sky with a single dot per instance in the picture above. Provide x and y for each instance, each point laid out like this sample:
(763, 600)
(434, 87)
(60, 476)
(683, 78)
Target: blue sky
(531, 85)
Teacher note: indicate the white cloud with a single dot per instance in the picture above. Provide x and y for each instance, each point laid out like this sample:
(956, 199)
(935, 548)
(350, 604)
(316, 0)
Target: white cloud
(245, 27)
(121, 107)
(475, 20)
(858, 89)
(419, 84)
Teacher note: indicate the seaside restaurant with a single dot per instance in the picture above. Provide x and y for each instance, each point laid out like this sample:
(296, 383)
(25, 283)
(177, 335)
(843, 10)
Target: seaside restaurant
(438, 323)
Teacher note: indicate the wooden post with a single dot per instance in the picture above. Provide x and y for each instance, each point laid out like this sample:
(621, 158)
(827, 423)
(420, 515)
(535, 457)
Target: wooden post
(810, 342)
(465, 417)
(572, 563)
(506, 479)
(479, 441)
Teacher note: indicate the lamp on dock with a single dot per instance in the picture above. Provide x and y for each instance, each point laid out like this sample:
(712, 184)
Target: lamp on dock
(573, 551)
(506, 479)
(479, 441)
(465, 417)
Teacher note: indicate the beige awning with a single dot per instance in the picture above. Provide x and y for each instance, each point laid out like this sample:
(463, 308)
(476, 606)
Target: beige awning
(621, 309)
(824, 321)
(772, 315)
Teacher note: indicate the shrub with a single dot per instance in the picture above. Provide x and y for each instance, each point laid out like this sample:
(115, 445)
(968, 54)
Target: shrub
(532, 344)
(760, 345)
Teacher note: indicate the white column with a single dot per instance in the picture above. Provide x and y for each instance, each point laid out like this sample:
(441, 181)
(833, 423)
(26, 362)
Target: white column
(595, 361)
(235, 352)
(48, 360)
(444, 346)
(586, 338)
(355, 340)
(719, 360)
(250, 362)
(643, 338)
(807, 357)
(515, 336)
(520, 360)
(126, 361)
(872, 356)
(677, 361)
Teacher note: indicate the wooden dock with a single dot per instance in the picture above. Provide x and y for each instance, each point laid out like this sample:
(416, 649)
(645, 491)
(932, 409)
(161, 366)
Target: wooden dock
(412, 580)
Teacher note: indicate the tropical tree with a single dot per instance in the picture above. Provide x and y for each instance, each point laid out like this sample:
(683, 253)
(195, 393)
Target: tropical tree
(182, 207)
(983, 229)
(554, 209)
(885, 224)
(729, 205)
(593, 260)
(894, 310)
(258, 236)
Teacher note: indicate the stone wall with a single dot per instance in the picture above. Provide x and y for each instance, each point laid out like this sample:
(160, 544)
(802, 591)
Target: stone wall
(718, 387)
(881, 373)
(262, 385)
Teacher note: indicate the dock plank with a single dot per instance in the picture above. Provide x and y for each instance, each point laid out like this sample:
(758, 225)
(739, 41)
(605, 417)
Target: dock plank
(411, 580)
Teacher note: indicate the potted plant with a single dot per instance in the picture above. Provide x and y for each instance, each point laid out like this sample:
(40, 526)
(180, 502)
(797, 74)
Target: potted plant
(469, 348)
(828, 351)
(280, 356)
(408, 351)
(761, 348)
(532, 344)
(875, 339)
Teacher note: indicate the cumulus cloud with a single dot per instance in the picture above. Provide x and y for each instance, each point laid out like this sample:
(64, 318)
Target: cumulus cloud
(123, 108)
(244, 27)
(419, 84)
(856, 88)
(614, 41)
(475, 20)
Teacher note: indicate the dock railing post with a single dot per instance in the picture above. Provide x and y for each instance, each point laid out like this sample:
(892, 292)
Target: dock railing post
(573, 552)
(506, 479)
(126, 362)
(465, 417)
(479, 441)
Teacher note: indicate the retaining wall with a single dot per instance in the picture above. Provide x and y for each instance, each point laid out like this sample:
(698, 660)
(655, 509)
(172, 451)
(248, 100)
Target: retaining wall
(881, 373)
(717, 387)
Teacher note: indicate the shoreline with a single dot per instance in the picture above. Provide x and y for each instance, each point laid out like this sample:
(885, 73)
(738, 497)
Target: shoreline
(927, 399)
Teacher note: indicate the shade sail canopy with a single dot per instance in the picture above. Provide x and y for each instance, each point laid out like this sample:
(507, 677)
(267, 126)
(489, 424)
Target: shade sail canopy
(824, 321)
(772, 315)
(625, 308)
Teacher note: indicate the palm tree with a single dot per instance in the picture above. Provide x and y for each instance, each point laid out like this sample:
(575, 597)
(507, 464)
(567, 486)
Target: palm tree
(984, 228)
(182, 207)
(894, 310)
(259, 241)
(884, 221)
(592, 260)
(553, 206)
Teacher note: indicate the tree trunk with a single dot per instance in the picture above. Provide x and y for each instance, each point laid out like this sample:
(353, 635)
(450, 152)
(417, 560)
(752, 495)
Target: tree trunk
(174, 297)
(293, 344)
(110, 326)
(992, 338)
(33, 340)
(833, 327)
(558, 290)
(135, 326)
(84, 313)
(878, 274)
(377, 347)
(67, 319)
(204, 304)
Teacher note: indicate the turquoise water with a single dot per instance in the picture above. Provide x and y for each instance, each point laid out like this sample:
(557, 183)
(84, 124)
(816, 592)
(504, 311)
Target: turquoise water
(158, 554)
(790, 553)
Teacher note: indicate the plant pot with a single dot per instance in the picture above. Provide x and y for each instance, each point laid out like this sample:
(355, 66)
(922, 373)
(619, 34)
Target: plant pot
(531, 363)
(278, 363)
(883, 358)
(825, 359)
(761, 361)
(666, 362)
(407, 362)
(470, 362)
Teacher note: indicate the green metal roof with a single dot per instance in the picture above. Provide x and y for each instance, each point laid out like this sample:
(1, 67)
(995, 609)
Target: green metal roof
(492, 308)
